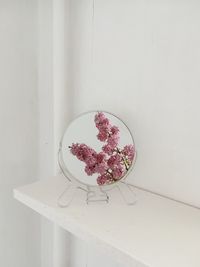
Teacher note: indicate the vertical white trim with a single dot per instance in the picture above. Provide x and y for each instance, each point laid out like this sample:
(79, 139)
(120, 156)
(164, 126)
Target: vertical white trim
(53, 17)
(61, 108)
(60, 70)
(45, 95)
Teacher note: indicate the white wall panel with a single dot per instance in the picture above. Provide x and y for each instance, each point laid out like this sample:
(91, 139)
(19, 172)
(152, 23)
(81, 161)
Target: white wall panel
(54, 112)
(19, 227)
(145, 68)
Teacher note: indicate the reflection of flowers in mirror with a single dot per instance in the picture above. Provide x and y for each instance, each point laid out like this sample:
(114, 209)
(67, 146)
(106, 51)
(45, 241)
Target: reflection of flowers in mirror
(112, 163)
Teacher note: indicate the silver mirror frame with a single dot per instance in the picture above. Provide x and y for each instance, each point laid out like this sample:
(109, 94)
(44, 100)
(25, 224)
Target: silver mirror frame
(76, 181)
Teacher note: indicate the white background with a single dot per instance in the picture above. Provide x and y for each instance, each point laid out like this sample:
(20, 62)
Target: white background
(144, 68)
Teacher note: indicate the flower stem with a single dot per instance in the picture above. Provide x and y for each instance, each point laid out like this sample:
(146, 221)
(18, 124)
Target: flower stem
(123, 159)
(111, 175)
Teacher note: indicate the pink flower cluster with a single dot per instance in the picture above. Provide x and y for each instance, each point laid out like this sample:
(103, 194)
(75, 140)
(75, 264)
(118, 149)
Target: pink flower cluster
(95, 162)
(107, 133)
(111, 164)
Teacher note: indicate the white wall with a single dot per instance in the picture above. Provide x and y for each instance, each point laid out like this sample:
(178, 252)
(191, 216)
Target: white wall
(19, 226)
(143, 64)
(146, 70)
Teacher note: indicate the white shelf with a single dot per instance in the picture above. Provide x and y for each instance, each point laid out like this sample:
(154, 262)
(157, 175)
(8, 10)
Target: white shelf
(155, 232)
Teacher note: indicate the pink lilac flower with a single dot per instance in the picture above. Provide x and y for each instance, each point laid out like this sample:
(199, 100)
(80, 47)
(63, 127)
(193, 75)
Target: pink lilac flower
(114, 130)
(103, 179)
(107, 149)
(101, 168)
(107, 132)
(113, 141)
(101, 121)
(114, 160)
(90, 170)
(91, 160)
(118, 172)
(85, 154)
(103, 125)
(82, 152)
(102, 136)
(129, 151)
(99, 117)
(74, 148)
(100, 157)
(101, 163)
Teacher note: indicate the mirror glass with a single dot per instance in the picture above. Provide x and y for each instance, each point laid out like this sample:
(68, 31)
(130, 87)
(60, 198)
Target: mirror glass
(97, 149)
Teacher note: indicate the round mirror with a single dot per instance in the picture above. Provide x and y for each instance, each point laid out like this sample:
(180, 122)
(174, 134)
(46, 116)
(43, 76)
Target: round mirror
(97, 149)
